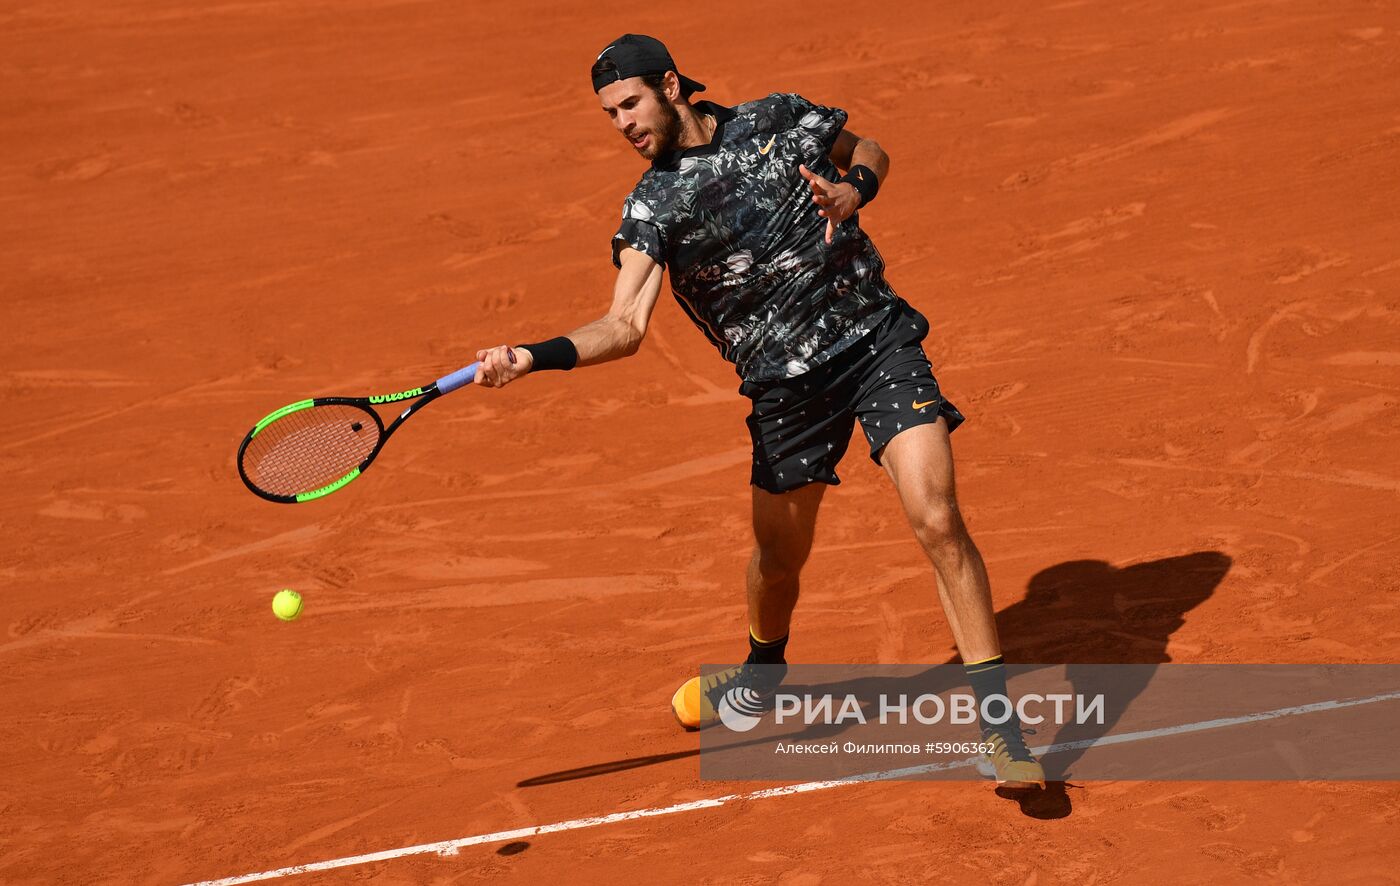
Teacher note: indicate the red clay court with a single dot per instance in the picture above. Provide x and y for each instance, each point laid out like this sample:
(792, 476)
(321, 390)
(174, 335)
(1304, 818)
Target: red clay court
(1159, 249)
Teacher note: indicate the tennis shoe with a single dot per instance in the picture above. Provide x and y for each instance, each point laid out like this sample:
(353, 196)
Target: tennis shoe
(748, 688)
(1010, 761)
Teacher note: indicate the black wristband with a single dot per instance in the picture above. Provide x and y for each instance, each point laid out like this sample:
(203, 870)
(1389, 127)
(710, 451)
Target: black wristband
(557, 353)
(864, 180)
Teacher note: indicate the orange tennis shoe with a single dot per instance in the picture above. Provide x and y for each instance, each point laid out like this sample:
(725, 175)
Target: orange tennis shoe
(696, 703)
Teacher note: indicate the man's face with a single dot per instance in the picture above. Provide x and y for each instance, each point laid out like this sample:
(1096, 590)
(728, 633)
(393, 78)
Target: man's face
(647, 120)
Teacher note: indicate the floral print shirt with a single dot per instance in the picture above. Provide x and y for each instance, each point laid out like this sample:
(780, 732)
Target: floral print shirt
(735, 224)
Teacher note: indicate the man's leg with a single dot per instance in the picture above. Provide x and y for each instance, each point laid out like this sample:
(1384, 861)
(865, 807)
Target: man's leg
(783, 527)
(800, 428)
(920, 462)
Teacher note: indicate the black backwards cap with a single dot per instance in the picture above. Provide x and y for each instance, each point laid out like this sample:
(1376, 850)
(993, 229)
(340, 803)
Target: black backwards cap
(636, 55)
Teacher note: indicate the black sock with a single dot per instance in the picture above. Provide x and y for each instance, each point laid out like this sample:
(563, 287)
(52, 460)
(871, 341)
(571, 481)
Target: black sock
(989, 678)
(767, 652)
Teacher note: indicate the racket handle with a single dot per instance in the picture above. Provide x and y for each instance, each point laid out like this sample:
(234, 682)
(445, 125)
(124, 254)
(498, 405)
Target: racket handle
(451, 382)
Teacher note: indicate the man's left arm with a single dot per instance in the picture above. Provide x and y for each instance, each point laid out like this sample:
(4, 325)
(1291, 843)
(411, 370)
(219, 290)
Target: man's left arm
(839, 200)
(852, 150)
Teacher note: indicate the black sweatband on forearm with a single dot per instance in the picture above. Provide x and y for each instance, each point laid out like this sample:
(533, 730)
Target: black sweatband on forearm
(557, 353)
(864, 180)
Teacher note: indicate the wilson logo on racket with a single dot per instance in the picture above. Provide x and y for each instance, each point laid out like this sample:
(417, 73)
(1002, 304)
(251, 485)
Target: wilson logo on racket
(390, 398)
(311, 448)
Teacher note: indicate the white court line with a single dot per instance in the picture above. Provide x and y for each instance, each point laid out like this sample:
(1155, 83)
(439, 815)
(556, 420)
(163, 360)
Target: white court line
(451, 847)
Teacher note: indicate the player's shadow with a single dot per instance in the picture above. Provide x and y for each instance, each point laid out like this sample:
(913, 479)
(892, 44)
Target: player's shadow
(1074, 613)
(1088, 612)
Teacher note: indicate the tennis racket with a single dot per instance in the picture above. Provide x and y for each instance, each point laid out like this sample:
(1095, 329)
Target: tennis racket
(311, 448)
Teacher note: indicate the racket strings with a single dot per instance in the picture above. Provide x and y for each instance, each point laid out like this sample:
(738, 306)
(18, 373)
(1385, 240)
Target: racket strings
(310, 448)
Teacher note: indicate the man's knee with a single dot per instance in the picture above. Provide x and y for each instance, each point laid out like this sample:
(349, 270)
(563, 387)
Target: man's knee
(938, 525)
(779, 563)
(783, 528)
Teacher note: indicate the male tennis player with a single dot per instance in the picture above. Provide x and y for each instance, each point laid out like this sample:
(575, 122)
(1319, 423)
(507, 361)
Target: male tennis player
(749, 209)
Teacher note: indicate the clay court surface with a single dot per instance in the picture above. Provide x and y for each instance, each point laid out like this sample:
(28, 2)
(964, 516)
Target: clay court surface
(1159, 248)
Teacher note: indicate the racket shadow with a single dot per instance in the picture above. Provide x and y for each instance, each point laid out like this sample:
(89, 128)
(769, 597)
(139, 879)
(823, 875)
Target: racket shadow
(596, 769)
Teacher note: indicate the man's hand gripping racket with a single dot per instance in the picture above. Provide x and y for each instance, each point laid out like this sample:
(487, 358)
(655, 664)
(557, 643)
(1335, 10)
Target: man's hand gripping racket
(311, 448)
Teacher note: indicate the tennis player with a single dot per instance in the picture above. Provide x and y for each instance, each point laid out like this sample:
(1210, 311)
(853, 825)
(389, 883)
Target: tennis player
(749, 208)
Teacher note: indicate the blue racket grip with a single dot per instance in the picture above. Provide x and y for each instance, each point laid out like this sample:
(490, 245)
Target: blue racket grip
(452, 381)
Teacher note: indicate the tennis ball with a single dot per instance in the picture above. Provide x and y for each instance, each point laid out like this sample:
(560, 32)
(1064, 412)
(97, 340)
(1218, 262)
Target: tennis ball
(286, 605)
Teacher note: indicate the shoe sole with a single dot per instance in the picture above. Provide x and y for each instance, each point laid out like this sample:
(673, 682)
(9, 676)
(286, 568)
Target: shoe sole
(685, 726)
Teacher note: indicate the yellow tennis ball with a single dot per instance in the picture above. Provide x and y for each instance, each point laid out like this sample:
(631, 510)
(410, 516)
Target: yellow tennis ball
(287, 604)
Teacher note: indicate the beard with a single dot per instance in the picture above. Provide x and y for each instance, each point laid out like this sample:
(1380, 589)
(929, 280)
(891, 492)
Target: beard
(667, 134)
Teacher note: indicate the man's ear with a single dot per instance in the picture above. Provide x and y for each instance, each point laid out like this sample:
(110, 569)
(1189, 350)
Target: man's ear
(671, 85)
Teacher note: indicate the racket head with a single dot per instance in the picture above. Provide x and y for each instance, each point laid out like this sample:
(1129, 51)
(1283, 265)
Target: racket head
(310, 448)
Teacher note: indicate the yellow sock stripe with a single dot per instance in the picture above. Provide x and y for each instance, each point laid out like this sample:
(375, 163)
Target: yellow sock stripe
(762, 642)
(973, 668)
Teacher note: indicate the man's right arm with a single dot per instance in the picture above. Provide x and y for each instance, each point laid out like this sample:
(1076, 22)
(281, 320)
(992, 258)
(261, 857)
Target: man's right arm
(620, 332)
(617, 334)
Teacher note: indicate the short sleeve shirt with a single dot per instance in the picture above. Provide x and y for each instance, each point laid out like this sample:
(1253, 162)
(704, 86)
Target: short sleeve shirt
(734, 223)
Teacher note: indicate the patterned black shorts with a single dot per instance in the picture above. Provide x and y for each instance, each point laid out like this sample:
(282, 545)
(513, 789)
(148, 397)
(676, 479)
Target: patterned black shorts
(801, 426)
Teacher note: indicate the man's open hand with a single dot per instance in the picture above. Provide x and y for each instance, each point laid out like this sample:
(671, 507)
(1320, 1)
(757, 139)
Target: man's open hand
(838, 201)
